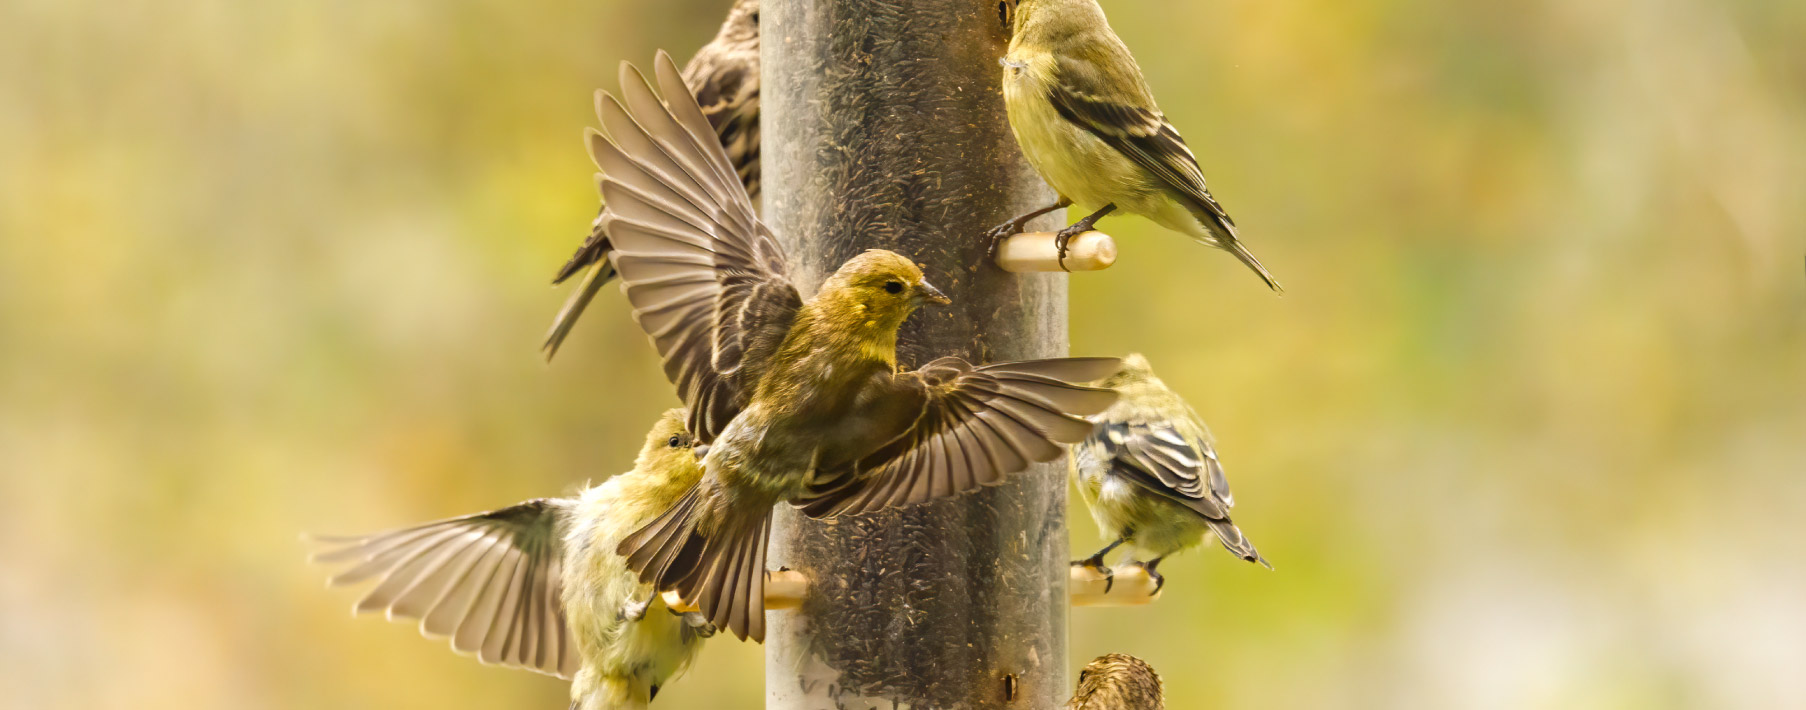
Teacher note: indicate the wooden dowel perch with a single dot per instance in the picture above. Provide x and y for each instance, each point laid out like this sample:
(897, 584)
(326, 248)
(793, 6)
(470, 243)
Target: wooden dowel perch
(1035, 252)
(784, 589)
(1131, 586)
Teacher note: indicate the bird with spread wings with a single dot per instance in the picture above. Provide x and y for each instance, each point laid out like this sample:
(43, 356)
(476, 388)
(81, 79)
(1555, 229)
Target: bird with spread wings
(797, 400)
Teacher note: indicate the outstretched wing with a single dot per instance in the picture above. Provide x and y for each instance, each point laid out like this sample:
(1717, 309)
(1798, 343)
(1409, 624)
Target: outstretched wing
(1120, 110)
(976, 425)
(491, 582)
(706, 278)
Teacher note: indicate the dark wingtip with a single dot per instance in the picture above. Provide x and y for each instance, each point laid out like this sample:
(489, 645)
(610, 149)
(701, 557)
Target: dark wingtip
(1247, 257)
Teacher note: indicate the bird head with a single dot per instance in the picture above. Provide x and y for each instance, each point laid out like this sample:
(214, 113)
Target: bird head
(742, 25)
(1044, 19)
(880, 289)
(1134, 369)
(1118, 681)
(669, 446)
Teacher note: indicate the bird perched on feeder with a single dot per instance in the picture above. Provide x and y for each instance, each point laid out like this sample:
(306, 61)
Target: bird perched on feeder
(1118, 681)
(538, 585)
(1087, 122)
(1150, 476)
(800, 401)
(724, 76)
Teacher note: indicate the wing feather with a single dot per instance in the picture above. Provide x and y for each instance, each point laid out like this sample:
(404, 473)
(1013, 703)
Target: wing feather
(977, 425)
(706, 278)
(1123, 114)
(1180, 466)
(489, 581)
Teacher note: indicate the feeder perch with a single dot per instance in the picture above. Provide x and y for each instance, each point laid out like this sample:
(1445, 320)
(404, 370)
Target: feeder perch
(1131, 586)
(1032, 252)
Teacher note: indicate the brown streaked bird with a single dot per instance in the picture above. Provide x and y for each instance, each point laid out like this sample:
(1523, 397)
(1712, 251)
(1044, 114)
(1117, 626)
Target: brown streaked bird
(538, 585)
(800, 401)
(1118, 681)
(724, 76)
(1151, 477)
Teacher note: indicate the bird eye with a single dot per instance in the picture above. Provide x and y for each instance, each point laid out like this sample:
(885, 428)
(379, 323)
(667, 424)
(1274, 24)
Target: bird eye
(893, 287)
(674, 441)
(755, 17)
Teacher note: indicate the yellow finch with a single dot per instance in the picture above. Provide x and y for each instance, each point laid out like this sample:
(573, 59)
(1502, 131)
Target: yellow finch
(801, 401)
(1150, 476)
(1088, 124)
(724, 75)
(538, 585)
(1118, 681)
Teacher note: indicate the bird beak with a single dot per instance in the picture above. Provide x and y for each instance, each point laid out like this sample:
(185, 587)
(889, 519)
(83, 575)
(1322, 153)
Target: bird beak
(926, 293)
(701, 450)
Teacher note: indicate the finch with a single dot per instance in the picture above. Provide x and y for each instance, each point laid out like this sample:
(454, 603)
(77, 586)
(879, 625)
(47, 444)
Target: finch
(724, 76)
(1088, 124)
(1118, 681)
(1150, 476)
(799, 401)
(538, 585)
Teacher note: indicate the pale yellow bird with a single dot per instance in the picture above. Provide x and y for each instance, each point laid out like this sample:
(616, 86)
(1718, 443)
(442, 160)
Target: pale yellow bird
(1151, 477)
(1087, 122)
(538, 585)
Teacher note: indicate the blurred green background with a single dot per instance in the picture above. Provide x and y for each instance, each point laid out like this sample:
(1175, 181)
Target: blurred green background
(1528, 429)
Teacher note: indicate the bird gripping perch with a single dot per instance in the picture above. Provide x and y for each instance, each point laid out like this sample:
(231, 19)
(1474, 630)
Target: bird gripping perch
(1031, 252)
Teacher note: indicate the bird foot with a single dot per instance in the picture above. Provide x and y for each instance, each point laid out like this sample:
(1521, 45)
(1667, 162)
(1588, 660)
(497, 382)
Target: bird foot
(1001, 232)
(633, 611)
(1096, 564)
(1159, 580)
(699, 624)
(1064, 236)
(1080, 227)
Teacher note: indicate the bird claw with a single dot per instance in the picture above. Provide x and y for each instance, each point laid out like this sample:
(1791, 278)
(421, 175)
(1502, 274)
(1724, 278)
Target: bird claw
(633, 611)
(999, 233)
(1159, 579)
(699, 624)
(1097, 564)
(1062, 237)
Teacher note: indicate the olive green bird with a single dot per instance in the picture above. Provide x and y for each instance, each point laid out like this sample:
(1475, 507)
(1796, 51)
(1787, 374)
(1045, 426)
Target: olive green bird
(1087, 122)
(1151, 477)
(724, 76)
(800, 401)
(1118, 681)
(538, 585)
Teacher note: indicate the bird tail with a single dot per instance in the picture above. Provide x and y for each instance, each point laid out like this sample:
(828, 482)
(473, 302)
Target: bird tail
(721, 571)
(592, 255)
(1236, 543)
(1221, 233)
(602, 272)
(1241, 252)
